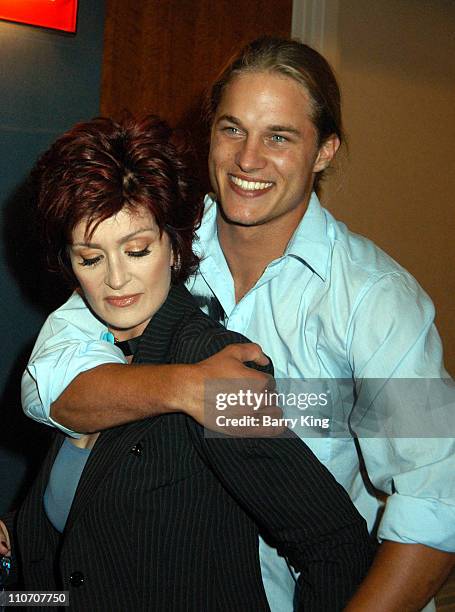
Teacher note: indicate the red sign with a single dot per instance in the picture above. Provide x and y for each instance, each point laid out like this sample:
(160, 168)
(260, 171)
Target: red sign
(55, 14)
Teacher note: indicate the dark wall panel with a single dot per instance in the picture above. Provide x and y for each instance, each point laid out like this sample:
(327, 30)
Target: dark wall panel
(161, 56)
(49, 81)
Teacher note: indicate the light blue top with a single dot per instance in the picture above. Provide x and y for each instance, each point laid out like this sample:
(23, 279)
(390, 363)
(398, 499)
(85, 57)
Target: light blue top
(333, 307)
(63, 480)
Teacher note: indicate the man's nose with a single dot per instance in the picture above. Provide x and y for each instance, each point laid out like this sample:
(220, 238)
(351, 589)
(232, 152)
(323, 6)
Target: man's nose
(117, 274)
(250, 155)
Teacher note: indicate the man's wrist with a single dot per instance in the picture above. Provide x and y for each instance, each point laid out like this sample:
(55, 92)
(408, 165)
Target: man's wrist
(183, 389)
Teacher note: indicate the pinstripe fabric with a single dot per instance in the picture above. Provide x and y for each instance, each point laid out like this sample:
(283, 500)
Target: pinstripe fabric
(165, 519)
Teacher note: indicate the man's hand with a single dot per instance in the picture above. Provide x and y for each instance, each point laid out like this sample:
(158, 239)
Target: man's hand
(227, 396)
(5, 544)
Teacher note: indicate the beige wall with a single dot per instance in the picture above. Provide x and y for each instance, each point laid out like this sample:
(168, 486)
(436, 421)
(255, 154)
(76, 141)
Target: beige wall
(396, 65)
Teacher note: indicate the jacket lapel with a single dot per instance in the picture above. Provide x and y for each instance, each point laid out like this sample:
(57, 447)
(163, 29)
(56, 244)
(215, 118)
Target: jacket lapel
(158, 340)
(111, 447)
(114, 444)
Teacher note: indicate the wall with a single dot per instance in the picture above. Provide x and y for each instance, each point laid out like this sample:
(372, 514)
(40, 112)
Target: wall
(395, 60)
(161, 56)
(49, 81)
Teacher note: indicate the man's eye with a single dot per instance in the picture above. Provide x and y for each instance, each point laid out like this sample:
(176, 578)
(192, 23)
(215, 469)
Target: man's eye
(90, 261)
(142, 253)
(278, 138)
(231, 130)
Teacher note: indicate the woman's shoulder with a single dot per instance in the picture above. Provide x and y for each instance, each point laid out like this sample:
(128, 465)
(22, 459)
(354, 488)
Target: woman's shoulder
(197, 336)
(202, 337)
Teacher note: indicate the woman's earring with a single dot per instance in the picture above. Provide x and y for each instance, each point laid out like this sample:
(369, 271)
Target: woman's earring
(176, 265)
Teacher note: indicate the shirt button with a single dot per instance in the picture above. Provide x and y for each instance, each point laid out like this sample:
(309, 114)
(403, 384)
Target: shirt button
(137, 449)
(77, 579)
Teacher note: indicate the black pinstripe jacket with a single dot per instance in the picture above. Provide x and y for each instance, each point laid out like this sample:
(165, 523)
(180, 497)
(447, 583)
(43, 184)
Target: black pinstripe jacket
(167, 520)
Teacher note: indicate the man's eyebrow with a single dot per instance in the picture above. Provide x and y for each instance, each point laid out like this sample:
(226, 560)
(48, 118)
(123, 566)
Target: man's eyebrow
(284, 128)
(289, 129)
(96, 245)
(230, 119)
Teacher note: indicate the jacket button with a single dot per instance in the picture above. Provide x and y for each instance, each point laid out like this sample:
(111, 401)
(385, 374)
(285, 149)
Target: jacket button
(77, 579)
(137, 449)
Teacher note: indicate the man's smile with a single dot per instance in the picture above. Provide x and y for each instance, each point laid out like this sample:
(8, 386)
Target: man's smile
(249, 185)
(250, 189)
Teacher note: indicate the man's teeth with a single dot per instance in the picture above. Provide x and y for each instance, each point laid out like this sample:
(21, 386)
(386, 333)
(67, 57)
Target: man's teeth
(249, 185)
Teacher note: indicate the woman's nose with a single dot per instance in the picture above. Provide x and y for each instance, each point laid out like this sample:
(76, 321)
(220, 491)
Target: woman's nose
(117, 275)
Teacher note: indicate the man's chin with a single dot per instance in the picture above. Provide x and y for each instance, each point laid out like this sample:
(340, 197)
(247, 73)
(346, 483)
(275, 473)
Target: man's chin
(239, 218)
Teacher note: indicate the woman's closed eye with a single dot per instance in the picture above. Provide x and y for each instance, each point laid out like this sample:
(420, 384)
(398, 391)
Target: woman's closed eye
(90, 261)
(141, 253)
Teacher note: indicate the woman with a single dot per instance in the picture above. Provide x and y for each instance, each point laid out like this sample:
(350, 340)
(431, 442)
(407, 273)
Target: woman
(154, 515)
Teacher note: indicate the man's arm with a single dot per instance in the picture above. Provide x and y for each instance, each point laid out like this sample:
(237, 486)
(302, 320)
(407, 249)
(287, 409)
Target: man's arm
(112, 394)
(403, 578)
(70, 342)
(406, 400)
(78, 381)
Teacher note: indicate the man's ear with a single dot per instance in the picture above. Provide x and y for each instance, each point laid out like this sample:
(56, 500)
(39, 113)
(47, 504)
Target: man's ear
(326, 153)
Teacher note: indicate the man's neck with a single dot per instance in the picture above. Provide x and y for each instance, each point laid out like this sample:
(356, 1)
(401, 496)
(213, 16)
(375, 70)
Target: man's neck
(249, 250)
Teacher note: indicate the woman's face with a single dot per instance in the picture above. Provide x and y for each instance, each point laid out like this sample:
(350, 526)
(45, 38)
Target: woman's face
(124, 270)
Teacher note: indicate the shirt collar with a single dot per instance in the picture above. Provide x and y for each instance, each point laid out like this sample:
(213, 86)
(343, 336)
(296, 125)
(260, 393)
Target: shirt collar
(207, 234)
(309, 244)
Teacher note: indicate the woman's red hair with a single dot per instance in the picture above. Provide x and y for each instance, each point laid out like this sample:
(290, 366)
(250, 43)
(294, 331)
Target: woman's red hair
(99, 167)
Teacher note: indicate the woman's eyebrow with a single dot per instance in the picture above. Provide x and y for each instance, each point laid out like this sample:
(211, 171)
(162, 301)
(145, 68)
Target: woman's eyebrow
(139, 231)
(96, 245)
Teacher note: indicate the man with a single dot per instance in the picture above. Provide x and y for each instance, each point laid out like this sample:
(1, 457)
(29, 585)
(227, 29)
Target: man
(324, 303)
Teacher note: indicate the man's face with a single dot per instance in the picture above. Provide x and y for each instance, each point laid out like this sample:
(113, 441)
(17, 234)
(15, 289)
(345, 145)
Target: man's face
(264, 152)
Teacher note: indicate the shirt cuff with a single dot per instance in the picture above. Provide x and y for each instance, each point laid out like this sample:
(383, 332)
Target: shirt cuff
(411, 520)
(47, 377)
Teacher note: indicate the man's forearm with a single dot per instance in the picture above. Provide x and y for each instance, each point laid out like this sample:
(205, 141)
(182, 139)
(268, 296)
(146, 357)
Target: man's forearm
(114, 394)
(403, 578)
